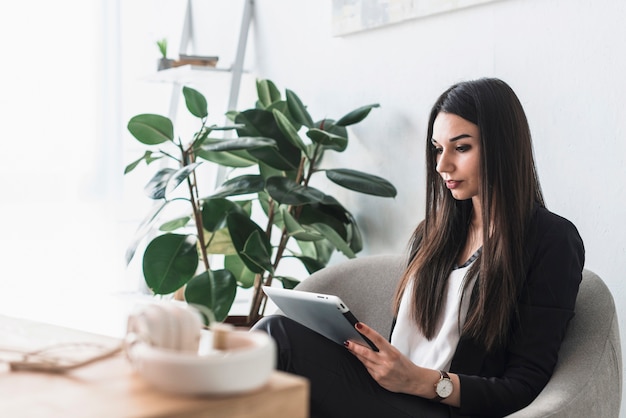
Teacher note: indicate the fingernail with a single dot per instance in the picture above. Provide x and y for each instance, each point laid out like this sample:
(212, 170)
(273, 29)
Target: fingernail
(346, 344)
(359, 325)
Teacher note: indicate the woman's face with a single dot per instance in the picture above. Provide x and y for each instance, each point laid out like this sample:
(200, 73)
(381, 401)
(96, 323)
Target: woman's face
(457, 142)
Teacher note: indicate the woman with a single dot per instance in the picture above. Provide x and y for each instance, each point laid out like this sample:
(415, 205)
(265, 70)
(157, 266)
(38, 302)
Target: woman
(484, 303)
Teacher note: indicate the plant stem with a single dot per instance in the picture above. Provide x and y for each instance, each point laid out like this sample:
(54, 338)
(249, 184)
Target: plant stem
(189, 158)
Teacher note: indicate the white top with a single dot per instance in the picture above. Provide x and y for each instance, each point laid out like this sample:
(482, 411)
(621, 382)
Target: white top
(438, 352)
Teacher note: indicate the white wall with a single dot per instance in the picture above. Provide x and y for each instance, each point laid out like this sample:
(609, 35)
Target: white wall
(564, 58)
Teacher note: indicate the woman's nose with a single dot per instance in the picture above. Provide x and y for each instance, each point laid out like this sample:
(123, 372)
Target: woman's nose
(444, 164)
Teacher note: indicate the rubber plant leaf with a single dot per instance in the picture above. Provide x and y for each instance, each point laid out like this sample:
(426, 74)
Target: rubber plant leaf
(241, 228)
(245, 277)
(214, 289)
(195, 102)
(267, 92)
(335, 239)
(261, 123)
(288, 281)
(361, 182)
(238, 144)
(143, 229)
(297, 109)
(236, 159)
(288, 192)
(179, 176)
(255, 251)
(175, 224)
(157, 186)
(327, 139)
(214, 212)
(311, 264)
(245, 184)
(151, 129)
(299, 232)
(169, 262)
(147, 157)
(289, 131)
(356, 115)
(219, 242)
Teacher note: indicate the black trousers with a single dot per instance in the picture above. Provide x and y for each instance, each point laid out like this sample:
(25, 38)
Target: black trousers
(340, 384)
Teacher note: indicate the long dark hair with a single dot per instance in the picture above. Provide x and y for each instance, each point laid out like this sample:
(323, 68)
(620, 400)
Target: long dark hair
(509, 191)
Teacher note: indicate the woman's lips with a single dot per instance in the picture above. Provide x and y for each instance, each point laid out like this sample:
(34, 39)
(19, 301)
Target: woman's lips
(452, 184)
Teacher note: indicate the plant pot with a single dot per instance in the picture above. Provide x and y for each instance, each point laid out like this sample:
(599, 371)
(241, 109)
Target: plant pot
(164, 63)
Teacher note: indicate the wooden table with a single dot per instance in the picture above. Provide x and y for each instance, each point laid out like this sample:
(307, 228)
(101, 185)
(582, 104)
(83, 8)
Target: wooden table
(109, 388)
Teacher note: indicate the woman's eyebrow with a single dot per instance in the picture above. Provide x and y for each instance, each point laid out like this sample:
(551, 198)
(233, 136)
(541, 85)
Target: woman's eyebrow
(456, 138)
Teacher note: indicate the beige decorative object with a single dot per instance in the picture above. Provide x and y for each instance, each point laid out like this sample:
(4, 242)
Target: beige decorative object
(169, 349)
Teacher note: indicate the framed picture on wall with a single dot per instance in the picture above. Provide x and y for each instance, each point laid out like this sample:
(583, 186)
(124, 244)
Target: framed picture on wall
(351, 16)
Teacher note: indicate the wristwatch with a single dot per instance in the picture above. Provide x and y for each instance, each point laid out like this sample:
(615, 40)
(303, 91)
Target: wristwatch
(444, 387)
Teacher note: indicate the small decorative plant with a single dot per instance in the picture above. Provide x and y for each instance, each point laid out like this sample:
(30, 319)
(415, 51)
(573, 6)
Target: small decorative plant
(163, 63)
(162, 44)
(264, 212)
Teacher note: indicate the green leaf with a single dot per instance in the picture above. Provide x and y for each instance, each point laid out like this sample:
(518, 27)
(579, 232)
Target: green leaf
(245, 277)
(261, 123)
(311, 264)
(237, 159)
(297, 109)
(214, 212)
(157, 186)
(290, 132)
(196, 102)
(335, 239)
(321, 251)
(214, 289)
(288, 192)
(151, 129)
(219, 242)
(169, 262)
(327, 139)
(299, 232)
(238, 144)
(267, 92)
(355, 239)
(174, 224)
(356, 115)
(179, 176)
(256, 251)
(361, 182)
(241, 228)
(288, 282)
(143, 229)
(147, 156)
(248, 183)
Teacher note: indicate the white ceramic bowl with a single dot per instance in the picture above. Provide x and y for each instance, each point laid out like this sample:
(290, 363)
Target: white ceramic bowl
(245, 364)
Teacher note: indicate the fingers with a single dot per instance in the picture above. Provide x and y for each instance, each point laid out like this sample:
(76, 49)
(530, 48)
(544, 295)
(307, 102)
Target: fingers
(371, 334)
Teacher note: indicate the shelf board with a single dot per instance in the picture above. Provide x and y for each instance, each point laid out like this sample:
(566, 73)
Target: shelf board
(186, 74)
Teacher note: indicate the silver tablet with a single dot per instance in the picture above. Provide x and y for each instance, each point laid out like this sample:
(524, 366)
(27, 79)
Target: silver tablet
(324, 314)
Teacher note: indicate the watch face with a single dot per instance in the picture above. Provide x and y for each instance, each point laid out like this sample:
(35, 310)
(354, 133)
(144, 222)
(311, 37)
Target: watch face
(444, 388)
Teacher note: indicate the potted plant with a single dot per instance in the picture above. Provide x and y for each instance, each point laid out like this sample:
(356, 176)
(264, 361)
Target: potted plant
(264, 212)
(164, 63)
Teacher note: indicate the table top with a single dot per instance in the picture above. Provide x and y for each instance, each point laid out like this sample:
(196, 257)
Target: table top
(110, 388)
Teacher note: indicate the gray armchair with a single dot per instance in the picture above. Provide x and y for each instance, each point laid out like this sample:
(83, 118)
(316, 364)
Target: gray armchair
(589, 358)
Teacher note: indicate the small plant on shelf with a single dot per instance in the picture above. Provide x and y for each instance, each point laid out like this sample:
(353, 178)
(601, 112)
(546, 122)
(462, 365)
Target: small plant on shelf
(162, 45)
(264, 212)
(163, 63)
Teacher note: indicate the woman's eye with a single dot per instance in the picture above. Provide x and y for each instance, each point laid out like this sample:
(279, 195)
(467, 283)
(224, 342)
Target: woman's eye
(438, 150)
(463, 148)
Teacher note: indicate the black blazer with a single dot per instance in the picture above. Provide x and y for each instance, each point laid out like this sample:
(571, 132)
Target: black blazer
(507, 379)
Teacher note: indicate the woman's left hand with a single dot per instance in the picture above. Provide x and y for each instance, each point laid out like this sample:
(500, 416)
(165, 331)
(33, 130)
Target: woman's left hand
(390, 368)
